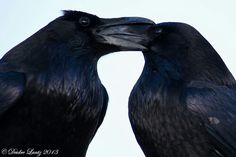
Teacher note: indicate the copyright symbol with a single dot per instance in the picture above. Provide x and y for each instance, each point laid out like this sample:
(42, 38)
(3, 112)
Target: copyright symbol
(4, 151)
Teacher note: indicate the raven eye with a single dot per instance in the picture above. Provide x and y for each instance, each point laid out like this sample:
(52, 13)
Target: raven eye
(158, 31)
(84, 21)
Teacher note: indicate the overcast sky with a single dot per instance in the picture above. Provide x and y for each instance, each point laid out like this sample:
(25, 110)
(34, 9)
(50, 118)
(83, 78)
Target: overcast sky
(215, 19)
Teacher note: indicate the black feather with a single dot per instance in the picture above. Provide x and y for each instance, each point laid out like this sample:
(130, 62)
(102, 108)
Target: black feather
(51, 96)
(184, 103)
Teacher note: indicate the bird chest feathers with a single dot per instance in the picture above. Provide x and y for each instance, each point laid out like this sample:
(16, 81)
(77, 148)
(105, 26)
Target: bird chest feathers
(74, 93)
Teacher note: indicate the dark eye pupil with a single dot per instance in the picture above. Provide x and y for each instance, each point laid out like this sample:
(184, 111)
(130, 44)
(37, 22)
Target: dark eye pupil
(158, 31)
(84, 21)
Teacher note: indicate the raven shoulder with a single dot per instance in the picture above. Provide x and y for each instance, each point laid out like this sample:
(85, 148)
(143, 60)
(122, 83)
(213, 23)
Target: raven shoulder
(216, 106)
(12, 85)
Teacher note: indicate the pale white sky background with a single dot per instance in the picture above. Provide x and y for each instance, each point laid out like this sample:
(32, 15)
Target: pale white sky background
(215, 19)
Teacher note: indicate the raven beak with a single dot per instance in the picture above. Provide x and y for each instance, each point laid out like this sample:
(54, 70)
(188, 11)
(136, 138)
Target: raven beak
(127, 33)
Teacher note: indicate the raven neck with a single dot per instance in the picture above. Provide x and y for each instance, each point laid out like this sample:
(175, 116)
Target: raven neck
(159, 79)
(45, 55)
(151, 104)
(69, 76)
(56, 69)
(162, 72)
(155, 102)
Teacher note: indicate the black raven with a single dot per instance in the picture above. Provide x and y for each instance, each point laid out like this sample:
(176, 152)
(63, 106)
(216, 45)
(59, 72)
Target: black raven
(50, 94)
(184, 103)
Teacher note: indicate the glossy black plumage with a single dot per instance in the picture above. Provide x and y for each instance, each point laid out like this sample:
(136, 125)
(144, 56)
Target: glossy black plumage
(50, 95)
(184, 103)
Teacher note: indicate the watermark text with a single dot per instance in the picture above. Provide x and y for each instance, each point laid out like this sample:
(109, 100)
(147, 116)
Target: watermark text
(29, 152)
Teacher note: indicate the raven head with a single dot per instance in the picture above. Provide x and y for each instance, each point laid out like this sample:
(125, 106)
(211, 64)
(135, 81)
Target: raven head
(188, 52)
(77, 34)
(107, 35)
